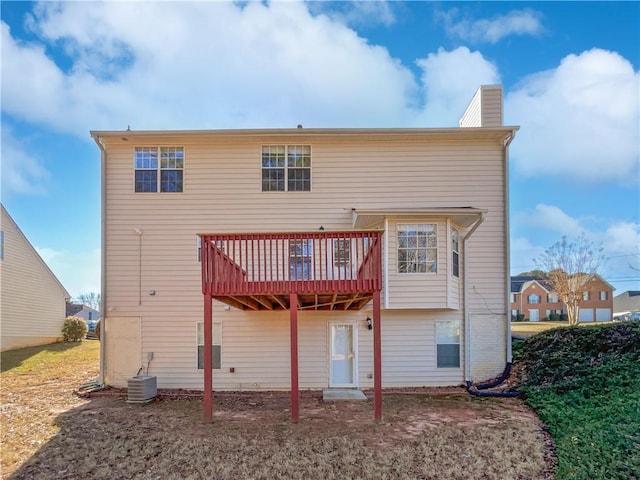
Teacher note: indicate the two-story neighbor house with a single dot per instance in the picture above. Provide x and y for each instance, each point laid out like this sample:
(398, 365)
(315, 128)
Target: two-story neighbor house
(533, 298)
(32, 299)
(307, 258)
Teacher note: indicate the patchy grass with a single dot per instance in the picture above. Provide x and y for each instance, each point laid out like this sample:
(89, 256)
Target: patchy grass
(527, 329)
(429, 436)
(585, 385)
(36, 385)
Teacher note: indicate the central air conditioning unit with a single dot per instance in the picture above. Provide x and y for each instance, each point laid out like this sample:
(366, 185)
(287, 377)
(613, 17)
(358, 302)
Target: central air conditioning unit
(141, 388)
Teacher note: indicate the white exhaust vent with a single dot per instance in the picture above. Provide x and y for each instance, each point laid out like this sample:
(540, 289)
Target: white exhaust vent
(142, 389)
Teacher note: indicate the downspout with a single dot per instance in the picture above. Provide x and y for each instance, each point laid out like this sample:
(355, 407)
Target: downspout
(103, 283)
(507, 250)
(465, 301)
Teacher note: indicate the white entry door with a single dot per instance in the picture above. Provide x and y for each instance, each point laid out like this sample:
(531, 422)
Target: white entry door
(342, 362)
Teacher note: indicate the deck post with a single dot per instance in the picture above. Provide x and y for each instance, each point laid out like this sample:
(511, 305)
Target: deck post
(208, 353)
(295, 393)
(377, 358)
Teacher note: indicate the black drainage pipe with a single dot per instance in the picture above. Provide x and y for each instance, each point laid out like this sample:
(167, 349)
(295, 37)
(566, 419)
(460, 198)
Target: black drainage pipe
(476, 390)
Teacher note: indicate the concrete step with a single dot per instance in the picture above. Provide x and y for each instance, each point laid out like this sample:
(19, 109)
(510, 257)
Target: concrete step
(332, 394)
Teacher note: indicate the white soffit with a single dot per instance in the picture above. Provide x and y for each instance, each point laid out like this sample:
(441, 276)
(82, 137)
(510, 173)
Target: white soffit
(461, 216)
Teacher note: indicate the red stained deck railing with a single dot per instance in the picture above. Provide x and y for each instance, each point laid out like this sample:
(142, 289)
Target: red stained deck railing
(254, 264)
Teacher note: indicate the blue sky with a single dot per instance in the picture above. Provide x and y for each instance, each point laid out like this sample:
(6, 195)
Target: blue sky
(570, 72)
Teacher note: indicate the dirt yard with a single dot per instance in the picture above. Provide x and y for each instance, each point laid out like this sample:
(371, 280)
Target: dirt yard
(429, 434)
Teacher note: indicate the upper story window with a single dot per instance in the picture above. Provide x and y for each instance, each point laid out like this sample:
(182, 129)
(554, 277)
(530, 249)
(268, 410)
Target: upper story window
(586, 296)
(159, 169)
(286, 168)
(552, 298)
(604, 295)
(418, 248)
(455, 252)
(533, 299)
(512, 298)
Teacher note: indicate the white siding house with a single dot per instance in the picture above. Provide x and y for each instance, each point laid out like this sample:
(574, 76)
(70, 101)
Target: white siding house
(296, 205)
(32, 300)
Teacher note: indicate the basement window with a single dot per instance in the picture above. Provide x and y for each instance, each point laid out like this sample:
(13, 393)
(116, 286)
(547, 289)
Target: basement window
(448, 343)
(217, 345)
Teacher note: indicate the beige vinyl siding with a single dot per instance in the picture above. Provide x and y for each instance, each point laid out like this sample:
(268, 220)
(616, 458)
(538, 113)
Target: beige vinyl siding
(488, 332)
(472, 116)
(492, 106)
(485, 108)
(409, 350)
(32, 300)
(222, 193)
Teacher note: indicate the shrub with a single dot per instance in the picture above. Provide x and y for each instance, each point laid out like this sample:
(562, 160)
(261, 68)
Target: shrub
(74, 330)
(554, 317)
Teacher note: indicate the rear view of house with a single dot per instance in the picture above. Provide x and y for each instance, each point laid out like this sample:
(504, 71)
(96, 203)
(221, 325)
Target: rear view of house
(257, 253)
(32, 300)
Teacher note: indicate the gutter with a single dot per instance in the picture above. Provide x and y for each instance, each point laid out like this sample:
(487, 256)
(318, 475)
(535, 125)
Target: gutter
(465, 298)
(103, 256)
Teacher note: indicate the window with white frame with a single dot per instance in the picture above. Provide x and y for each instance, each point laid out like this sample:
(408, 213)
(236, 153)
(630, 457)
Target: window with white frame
(586, 296)
(216, 358)
(417, 248)
(552, 298)
(455, 252)
(604, 295)
(159, 169)
(300, 259)
(512, 297)
(448, 343)
(286, 168)
(533, 299)
(341, 252)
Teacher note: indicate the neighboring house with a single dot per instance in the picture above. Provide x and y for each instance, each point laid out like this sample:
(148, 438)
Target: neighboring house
(628, 301)
(533, 298)
(307, 238)
(32, 300)
(85, 312)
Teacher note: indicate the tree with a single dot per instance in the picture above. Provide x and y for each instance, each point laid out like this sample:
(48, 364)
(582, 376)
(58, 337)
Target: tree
(570, 265)
(534, 273)
(90, 299)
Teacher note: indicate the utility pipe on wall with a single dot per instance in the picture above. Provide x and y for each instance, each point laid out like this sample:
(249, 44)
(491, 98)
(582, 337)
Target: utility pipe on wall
(465, 298)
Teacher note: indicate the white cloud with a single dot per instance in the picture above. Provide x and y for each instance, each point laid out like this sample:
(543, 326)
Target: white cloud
(580, 121)
(356, 12)
(516, 22)
(200, 65)
(550, 217)
(79, 272)
(523, 255)
(22, 173)
(623, 238)
(449, 81)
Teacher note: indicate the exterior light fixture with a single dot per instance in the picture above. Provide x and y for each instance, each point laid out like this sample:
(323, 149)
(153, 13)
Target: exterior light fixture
(369, 324)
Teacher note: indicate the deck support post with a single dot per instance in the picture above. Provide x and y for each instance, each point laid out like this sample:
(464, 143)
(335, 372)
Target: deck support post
(208, 354)
(295, 392)
(377, 358)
